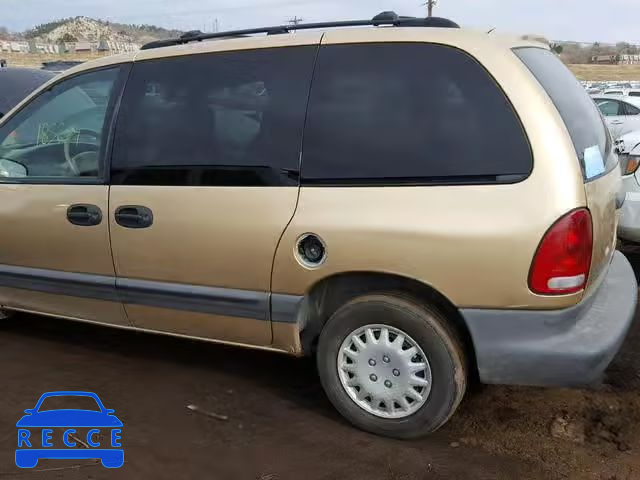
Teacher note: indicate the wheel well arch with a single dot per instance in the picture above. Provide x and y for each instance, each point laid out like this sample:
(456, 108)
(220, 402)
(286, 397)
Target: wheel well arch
(329, 293)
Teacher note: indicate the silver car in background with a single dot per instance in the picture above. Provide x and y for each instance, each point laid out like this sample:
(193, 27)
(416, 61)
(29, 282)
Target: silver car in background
(628, 147)
(622, 113)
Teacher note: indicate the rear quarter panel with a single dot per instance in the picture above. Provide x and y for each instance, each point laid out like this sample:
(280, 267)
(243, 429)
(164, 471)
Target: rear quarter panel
(601, 201)
(474, 244)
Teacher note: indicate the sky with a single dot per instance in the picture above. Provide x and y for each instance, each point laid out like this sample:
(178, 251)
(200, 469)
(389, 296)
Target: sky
(576, 20)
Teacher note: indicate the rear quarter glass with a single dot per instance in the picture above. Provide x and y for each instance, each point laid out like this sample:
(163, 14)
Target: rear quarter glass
(579, 112)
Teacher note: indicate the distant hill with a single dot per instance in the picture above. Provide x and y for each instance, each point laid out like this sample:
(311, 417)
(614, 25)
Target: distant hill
(84, 29)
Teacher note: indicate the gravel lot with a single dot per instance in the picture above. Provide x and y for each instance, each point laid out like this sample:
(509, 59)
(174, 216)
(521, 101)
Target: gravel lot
(280, 425)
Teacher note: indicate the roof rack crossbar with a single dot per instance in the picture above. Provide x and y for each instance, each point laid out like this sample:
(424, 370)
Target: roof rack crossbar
(384, 19)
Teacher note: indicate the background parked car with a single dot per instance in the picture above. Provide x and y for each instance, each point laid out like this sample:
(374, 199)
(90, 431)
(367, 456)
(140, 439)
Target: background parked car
(17, 83)
(624, 92)
(60, 65)
(628, 147)
(621, 113)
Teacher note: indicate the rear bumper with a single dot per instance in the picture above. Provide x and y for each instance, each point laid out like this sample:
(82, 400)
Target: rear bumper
(558, 347)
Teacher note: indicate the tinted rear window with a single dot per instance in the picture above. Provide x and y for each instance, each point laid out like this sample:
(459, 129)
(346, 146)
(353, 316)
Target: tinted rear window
(579, 112)
(409, 113)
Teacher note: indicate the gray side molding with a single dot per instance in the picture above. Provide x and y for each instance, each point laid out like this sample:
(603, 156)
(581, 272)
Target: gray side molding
(219, 301)
(285, 308)
(193, 298)
(83, 285)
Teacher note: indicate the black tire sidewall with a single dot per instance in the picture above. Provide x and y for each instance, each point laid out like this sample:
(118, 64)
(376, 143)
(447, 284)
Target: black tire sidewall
(426, 329)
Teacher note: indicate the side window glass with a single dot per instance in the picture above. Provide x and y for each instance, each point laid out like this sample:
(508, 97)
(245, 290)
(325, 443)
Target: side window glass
(631, 110)
(578, 110)
(609, 108)
(378, 116)
(238, 115)
(60, 133)
(226, 119)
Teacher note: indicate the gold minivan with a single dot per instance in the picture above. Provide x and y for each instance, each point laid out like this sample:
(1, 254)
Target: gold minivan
(414, 205)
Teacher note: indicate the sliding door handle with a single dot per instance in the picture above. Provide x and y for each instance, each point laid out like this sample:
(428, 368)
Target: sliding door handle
(134, 216)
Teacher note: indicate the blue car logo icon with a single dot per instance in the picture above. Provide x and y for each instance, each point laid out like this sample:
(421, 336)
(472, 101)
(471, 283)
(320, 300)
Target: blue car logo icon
(102, 438)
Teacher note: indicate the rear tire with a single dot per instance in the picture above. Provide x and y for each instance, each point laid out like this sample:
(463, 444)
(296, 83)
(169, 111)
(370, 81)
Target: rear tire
(374, 391)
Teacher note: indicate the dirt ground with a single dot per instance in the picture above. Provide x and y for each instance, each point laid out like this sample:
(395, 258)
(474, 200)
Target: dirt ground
(280, 425)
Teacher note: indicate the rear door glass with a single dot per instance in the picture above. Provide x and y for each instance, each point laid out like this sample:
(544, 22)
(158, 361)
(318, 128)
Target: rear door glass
(383, 114)
(584, 122)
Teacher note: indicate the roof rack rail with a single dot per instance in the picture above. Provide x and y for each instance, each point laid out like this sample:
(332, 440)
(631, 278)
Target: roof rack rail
(382, 19)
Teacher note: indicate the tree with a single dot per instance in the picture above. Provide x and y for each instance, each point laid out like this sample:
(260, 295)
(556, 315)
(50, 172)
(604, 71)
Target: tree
(45, 28)
(598, 49)
(430, 4)
(68, 38)
(4, 33)
(624, 48)
(557, 48)
(574, 53)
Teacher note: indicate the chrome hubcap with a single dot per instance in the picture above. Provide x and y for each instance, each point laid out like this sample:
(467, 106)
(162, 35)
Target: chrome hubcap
(384, 371)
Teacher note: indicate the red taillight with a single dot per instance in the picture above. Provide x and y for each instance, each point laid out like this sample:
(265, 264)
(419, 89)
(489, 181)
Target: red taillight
(561, 264)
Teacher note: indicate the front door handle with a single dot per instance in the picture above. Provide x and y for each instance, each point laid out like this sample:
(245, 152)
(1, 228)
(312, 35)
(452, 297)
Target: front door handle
(617, 122)
(84, 215)
(134, 216)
